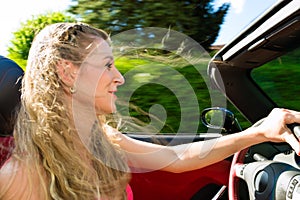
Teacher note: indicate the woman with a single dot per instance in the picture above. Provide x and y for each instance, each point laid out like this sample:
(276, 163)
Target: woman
(64, 148)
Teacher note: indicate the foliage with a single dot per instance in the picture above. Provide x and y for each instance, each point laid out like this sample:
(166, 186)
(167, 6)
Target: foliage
(21, 42)
(197, 19)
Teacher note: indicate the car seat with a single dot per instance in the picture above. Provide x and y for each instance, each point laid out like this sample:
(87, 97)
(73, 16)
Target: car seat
(10, 84)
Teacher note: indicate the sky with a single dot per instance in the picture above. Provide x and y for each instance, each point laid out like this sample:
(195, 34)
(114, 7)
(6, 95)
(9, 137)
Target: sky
(241, 13)
(14, 12)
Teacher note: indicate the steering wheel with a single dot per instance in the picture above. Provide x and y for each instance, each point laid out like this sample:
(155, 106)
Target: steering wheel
(236, 164)
(266, 179)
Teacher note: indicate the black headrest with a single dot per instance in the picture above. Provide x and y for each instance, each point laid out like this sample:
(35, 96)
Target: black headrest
(10, 84)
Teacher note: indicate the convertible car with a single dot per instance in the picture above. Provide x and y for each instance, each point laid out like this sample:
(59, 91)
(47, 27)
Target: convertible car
(257, 71)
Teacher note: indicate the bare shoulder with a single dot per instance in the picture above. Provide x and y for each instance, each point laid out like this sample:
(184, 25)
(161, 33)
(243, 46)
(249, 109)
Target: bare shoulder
(10, 172)
(15, 182)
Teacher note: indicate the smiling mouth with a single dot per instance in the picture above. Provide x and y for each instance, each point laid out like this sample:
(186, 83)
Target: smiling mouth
(113, 93)
(103, 94)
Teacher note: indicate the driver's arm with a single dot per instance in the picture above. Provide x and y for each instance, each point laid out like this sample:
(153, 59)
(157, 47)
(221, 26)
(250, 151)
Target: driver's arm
(185, 157)
(196, 155)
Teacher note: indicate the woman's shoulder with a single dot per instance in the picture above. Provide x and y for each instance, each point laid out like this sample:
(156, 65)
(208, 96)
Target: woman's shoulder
(14, 180)
(11, 178)
(10, 170)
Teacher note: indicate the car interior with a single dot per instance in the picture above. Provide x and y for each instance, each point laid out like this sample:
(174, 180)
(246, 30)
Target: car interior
(268, 170)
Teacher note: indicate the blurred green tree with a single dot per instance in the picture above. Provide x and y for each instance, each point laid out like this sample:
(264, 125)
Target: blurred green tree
(198, 19)
(20, 44)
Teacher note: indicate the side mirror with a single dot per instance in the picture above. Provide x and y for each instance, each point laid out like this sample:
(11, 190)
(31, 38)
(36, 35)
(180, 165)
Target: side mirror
(220, 119)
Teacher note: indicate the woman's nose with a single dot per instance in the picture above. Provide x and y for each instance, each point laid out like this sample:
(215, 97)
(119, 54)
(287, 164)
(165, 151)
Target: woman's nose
(119, 77)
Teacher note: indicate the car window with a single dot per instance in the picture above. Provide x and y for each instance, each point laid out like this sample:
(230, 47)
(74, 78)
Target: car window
(280, 80)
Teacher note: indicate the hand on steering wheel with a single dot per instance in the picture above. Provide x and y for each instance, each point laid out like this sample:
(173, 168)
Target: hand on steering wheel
(261, 173)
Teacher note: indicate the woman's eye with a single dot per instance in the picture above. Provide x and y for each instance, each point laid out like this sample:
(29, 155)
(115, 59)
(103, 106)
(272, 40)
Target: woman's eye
(109, 65)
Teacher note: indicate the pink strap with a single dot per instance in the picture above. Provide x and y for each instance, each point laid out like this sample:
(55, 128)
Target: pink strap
(129, 193)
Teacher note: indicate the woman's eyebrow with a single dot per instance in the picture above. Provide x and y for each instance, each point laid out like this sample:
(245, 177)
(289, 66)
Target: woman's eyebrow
(109, 57)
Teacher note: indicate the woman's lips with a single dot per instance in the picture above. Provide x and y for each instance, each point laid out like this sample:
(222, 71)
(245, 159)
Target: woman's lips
(113, 93)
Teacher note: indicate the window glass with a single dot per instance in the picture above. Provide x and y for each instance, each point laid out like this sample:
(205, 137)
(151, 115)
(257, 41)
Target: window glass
(280, 79)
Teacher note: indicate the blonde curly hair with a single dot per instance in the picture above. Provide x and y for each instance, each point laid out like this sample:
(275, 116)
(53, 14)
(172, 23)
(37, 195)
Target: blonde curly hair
(45, 135)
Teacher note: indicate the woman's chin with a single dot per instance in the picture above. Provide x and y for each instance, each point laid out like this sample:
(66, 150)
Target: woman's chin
(106, 111)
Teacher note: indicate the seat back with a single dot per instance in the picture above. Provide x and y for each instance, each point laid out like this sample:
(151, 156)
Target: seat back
(10, 84)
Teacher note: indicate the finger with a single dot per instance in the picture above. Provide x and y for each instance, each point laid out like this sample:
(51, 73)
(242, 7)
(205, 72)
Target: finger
(287, 111)
(293, 117)
(292, 141)
(290, 111)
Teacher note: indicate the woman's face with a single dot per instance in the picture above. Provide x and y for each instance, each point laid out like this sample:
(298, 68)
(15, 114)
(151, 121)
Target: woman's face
(98, 79)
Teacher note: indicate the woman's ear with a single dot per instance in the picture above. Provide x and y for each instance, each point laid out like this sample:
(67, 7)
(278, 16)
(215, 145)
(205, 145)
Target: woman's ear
(66, 72)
